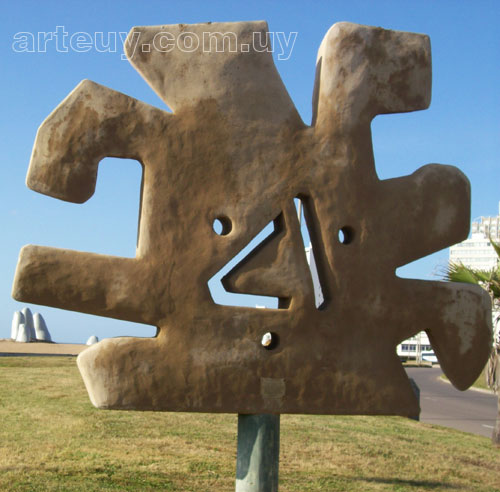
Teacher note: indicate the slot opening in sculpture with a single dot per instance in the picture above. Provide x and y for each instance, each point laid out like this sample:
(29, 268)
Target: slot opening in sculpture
(311, 243)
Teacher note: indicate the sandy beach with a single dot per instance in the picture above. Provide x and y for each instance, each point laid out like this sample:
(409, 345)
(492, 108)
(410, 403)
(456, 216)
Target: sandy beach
(8, 347)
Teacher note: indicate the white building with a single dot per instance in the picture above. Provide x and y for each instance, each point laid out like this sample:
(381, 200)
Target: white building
(417, 348)
(477, 251)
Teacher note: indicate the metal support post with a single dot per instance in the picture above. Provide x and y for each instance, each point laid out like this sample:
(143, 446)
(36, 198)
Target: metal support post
(257, 462)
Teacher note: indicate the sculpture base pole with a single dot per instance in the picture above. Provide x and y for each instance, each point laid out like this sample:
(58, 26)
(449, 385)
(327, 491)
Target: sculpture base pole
(257, 462)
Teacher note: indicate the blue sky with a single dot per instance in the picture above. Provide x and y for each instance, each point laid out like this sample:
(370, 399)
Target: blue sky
(460, 128)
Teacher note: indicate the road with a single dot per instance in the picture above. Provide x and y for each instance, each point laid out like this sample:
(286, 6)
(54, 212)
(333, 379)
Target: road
(442, 404)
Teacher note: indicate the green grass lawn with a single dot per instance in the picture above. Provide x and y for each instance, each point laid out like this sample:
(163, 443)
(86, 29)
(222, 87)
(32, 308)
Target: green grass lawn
(52, 439)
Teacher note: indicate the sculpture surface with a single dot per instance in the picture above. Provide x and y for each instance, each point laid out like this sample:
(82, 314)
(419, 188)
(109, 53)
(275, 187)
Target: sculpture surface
(235, 150)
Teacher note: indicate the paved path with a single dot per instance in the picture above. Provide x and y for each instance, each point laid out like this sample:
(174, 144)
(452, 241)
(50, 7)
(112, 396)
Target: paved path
(442, 404)
(8, 347)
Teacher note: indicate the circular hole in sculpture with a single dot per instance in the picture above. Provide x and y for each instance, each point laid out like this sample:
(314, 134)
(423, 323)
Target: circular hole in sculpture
(346, 235)
(269, 340)
(222, 226)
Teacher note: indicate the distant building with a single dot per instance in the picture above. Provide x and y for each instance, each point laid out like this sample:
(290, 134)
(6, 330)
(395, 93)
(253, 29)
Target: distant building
(417, 348)
(477, 251)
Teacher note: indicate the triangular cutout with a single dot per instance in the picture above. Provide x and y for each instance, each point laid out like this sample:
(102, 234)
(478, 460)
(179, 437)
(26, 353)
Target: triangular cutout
(229, 297)
(273, 270)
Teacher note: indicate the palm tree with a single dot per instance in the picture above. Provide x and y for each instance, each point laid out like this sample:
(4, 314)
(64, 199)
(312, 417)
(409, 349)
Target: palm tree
(490, 281)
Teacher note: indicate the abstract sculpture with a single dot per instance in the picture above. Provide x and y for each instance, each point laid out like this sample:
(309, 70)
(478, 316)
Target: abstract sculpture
(29, 324)
(41, 331)
(236, 150)
(17, 320)
(92, 340)
(27, 327)
(23, 334)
